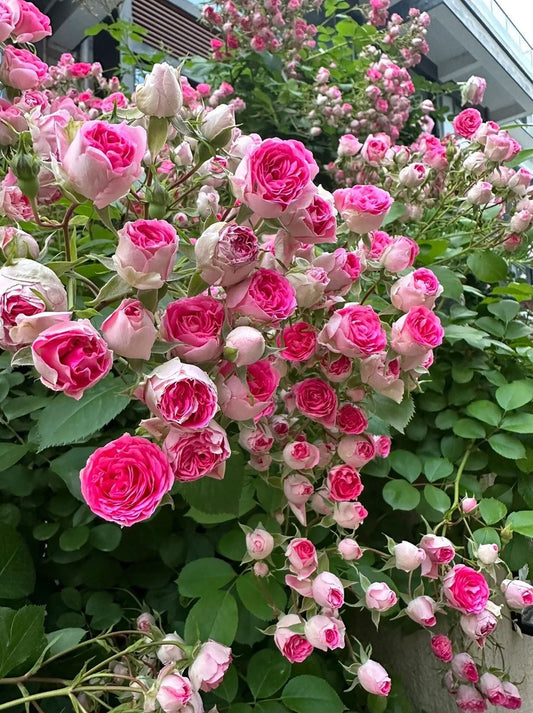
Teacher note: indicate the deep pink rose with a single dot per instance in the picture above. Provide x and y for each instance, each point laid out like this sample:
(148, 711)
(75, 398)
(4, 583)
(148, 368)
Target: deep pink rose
(301, 455)
(314, 224)
(513, 700)
(355, 331)
(416, 332)
(181, 394)
(243, 401)
(302, 557)
(343, 483)
(464, 668)
(146, 253)
(373, 678)
(125, 480)
(467, 123)
(420, 287)
(226, 253)
(71, 357)
(362, 207)
(275, 176)
(379, 242)
(325, 632)
(104, 160)
(465, 589)
(199, 453)
(351, 419)
(336, 368)
(356, 450)
(211, 663)
(298, 341)
(470, 699)
(22, 69)
(295, 647)
(195, 325)
(317, 400)
(33, 25)
(442, 647)
(130, 330)
(265, 297)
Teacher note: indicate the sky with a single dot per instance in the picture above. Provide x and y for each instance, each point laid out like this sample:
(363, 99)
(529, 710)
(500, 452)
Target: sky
(521, 14)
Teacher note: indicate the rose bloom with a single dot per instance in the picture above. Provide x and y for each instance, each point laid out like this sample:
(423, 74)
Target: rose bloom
(419, 287)
(422, 610)
(195, 323)
(400, 254)
(356, 450)
(375, 148)
(125, 480)
(467, 123)
(349, 145)
(257, 440)
(328, 590)
(408, 557)
(349, 515)
(416, 332)
(343, 483)
(325, 632)
(130, 330)
(175, 693)
(32, 25)
(383, 445)
(380, 597)
(479, 626)
(298, 340)
(13, 122)
(470, 699)
(373, 678)
(146, 253)
(104, 160)
(355, 331)
(342, 268)
(226, 253)
(259, 543)
(317, 400)
(464, 668)
(22, 69)
(513, 700)
(336, 369)
(491, 687)
(302, 557)
(71, 357)
(265, 297)
(383, 375)
(181, 394)
(275, 177)
(362, 207)
(351, 419)
(197, 454)
(349, 549)
(243, 401)
(517, 594)
(211, 663)
(314, 224)
(442, 647)
(465, 589)
(295, 647)
(301, 455)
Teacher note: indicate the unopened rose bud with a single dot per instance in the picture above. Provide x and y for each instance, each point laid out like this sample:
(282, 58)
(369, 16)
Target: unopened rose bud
(349, 549)
(170, 653)
(468, 505)
(145, 621)
(487, 554)
(408, 557)
(217, 125)
(160, 95)
(245, 345)
(259, 544)
(261, 569)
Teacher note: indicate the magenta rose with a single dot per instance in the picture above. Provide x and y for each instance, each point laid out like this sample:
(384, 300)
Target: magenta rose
(298, 341)
(146, 253)
(22, 69)
(419, 288)
(265, 297)
(467, 123)
(195, 325)
(33, 25)
(351, 419)
(125, 480)
(355, 331)
(71, 357)
(130, 330)
(314, 224)
(104, 160)
(181, 394)
(416, 332)
(197, 454)
(442, 647)
(356, 450)
(343, 483)
(464, 668)
(275, 176)
(362, 207)
(465, 589)
(295, 647)
(226, 253)
(317, 400)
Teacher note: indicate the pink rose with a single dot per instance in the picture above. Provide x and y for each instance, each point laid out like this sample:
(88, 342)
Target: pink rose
(464, 668)
(302, 557)
(520, 221)
(419, 287)
(197, 454)
(314, 224)
(275, 176)
(513, 700)
(343, 483)
(355, 331)
(181, 394)
(517, 594)
(295, 647)
(245, 345)
(144, 622)
(479, 626)
(499, 147)
(342, 268)
(240, 401)
(226, 253)
(317, 400)
(336, 368)
(261, 569)
(174, 692)
(104, 160)
(259, 543)
(349, 145)
(351, 419)
(473, 90)
(13, 120)
(146, 253)
(9, 16)
(422, 610)
(125, 480)
(362, 207)
(32, 25)
(356, 450)
(298, 489)
(257, 440)
(416, 332)
(470, 699)
(211, 663)
(465, 589)
(492, 688)
(13, 203)
(309, 286)
(383, 375)
(328, 590)
(298, 340)
(380, 597)
(130, 330)
(349, 549)
(383, 445)
(408, 557)
(194, 325)
(71, 357)
(467, 123)
(439, 550)
(375, 148)
(301, 455)
(400, 254)
(325, 632)
(373, 678)
(349, 515)
(21, 69)
(15, 243)
(442, 647)
(413, 175)
(266, 297)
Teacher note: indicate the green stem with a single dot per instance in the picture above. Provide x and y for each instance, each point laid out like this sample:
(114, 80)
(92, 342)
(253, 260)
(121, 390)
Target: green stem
(35, 697)
(458, 480)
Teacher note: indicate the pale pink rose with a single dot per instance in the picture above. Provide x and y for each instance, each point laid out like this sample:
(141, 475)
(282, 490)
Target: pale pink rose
(420, 287)
(125, 480)
(145, 621)
(517, 594)
(317, 400)
(328, 590)
(383, 445)
(470, 699)
(512, 243)
(422, 610)
(480, 193)
(439, 550)
(475, 162)
(243, 401)
(104, 160)
(473, 90)
(520, 221)
(217, 125)
(15, 243)
(49, 135)
(71, 357)
(28, 327)
(309, 286)
(265, 297)
(442, 647)
(373, 678)
(513, 700)
(302, 557)
(261, 569)
(479, 626)
(464, 668)
(336, 368)
(198, 453)
(181, 394)
(314, 224)
(467, 123)
(465, 589)
(12, 118)
(174, 692)
(342, 268)
(13, 203)
(356, 450)
(488, 128)
(408, 557)
(320, 504)
(32, 25)
(325, 632)
(375, 148)
(400, 254)
(9, 16)
(298, 489)
(413, 175)
(362, 207)
(349, 549)
(343, 483)
(416, 332)
(146, 253)
(226, 253)
(260, 462)
(22, 69)
(355, 331)
(380, 597)
(379, 242)
(256, 440)
(349, 515)
(295, 647)
(492, 688)
(301, 455)
(160, 94)
(487, 554)
(245, 345)
(351, 419)
(275, 176)
(208, 668)
(299, 341)
(383, 375)
(130, 330)
(259, 543)
(193, 325)
(302, 586)
(349, 145)
(468, 505)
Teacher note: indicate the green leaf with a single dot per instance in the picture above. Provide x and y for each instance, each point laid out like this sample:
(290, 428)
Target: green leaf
(217, 496)
(486, 411)
(267, 671)
(518, 423)
(74, 538)
(521, 522)
(214, 616)
(68, 466)
(64, 639)
(204, 575)
(106, 537)
(437, 468)
(475, 337)
(507, 446)
(506, 310)
(17, 573)
(466, 428)
(69, 421)
(196, 285)
(397, 415)
(406, 464)
(487, 266)
(515, 394)
(396, 211)
(22, 639)
(400, 495)
(437, 498)
(23, 405)
(11, 453)
(310, 694)
(487, 536)
(453, 288)
(255, 593)
(492, 510)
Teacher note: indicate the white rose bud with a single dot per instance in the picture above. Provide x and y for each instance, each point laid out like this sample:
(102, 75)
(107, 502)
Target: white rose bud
(487, 554)
(160, 95)
(218, 124)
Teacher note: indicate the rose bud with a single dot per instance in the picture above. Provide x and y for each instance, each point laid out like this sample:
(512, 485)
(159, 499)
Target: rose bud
(479, 626)
(380, 597)
(412, 175)
(362, 207)
(298, 489)
(15, 243)
(469, 698)
(349, 549)
(439, 550)
(480, 193)
(451, 684)
(208, 668)
(145, 621)
(520, 221)
(513, 700)
(492, 688)
(217, 124)
(259, 544)
(261, 569)
(170, 653)
(301, 455)
(419, 287)
(356, 451)
(295, 647)
(487, 554)
(400, 254)
(464, 668)
(328, 590)
(245, 345)
(473, 90)
(517, 594)
(174, 692)
(468, 505)
(160, 94)
(422, 610)
(408, 557)
(349, 515)
(302, 557)
(442, 647)
(373, 678)
(325, 632)
(130, 330)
